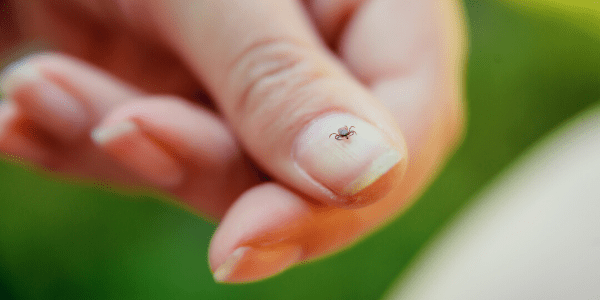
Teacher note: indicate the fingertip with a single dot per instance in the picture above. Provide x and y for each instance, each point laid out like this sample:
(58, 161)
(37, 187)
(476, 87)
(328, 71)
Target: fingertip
(267, 218)
(248, 264)
(126, 142)
(44, 100)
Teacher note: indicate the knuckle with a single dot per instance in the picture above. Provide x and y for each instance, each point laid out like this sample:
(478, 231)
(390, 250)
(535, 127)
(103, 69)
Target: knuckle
(274, 76)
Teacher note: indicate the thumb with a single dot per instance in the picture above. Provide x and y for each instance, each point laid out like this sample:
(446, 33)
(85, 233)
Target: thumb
(286, 96)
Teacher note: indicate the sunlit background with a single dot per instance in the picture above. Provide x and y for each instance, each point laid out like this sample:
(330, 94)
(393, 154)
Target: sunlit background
(530, 68)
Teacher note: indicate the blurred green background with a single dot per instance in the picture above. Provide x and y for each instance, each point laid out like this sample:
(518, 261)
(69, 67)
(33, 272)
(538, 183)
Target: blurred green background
(530, 68)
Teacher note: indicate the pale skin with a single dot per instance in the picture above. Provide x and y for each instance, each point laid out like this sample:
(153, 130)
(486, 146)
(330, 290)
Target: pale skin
(394, 65)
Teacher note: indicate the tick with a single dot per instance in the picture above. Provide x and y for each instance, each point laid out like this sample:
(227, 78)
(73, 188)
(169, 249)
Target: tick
(344, 132)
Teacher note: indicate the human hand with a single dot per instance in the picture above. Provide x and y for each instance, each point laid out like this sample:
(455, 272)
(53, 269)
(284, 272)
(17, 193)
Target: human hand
(284, 79)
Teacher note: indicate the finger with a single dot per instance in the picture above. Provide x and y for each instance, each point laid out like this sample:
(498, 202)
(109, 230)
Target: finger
(268, 242)
(51, 102)
(179, 147)
(39, 126)
(270, 228)
(40, 99)
(319, 231)
(96, 90)
(284, 94)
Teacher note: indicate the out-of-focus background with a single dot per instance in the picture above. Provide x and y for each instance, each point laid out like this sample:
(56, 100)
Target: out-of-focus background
(531, 67)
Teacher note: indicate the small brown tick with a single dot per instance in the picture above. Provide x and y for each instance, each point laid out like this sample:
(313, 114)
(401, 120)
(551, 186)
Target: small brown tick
(344, 132)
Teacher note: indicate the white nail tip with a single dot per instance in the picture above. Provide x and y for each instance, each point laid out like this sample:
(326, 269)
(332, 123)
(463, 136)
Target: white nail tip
(104, 135)
(378, 168)
(224, 270)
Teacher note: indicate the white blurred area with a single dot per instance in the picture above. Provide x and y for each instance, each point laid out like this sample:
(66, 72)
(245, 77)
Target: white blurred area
(533, 233)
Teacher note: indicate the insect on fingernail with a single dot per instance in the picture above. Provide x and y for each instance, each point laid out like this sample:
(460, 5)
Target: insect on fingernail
(344, 132)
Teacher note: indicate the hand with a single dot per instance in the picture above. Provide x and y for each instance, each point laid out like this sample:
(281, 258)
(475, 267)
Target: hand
(279, 89)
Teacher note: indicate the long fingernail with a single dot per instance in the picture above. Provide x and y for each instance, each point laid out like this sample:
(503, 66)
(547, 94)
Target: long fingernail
(348, 161)
(250, 264)
(127, 143)
(44, 101)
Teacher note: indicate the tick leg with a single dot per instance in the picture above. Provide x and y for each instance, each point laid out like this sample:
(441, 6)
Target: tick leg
(331, 135)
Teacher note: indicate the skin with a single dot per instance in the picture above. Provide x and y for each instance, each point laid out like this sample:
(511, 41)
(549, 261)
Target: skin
(154, 65)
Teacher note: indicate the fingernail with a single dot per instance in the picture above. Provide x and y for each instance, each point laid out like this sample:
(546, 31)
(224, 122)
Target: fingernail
(43, 101)
(247, 264)
(133, 148)
(348, 165)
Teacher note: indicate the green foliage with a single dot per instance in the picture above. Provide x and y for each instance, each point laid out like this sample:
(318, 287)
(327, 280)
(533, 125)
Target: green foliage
(528, 71)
